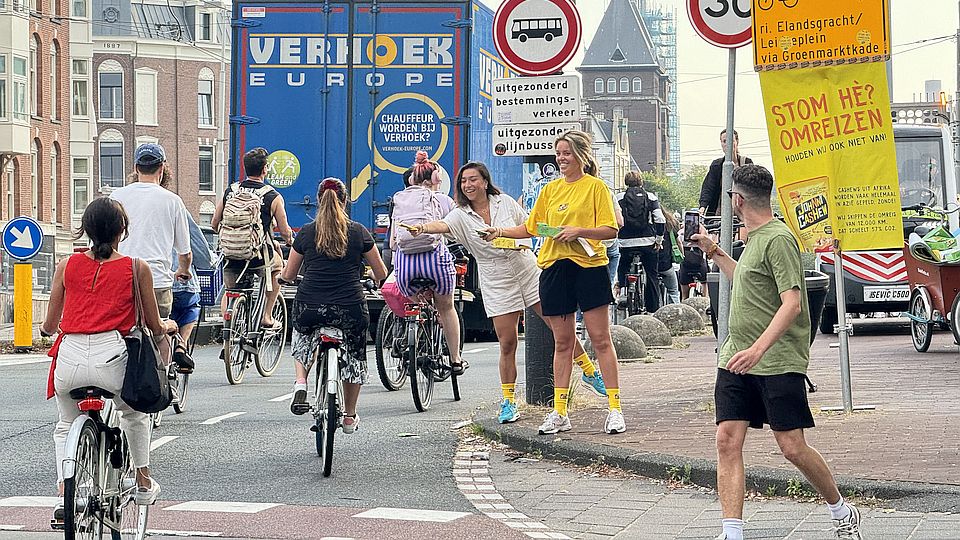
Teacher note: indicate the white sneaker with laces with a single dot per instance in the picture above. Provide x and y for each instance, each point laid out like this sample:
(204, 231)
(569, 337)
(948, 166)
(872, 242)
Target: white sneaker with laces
(615, 422)
(147, 496)
(849, 527)
(554, 423)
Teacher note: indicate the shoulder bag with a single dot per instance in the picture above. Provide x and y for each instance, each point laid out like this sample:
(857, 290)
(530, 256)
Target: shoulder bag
(146, 387)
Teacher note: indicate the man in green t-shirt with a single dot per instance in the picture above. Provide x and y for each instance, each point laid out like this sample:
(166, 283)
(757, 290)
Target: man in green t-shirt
(763, 361)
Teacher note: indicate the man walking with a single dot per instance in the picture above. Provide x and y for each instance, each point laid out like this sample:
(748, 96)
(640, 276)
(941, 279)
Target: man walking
(158, 224)
(763, 361)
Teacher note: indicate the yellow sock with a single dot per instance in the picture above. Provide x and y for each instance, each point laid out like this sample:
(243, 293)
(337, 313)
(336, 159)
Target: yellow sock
(560, 400)
(585, 364)
(509, 392)
(613, 398)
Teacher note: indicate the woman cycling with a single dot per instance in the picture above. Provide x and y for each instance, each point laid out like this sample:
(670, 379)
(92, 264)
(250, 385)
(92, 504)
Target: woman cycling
(426, 256)
(332, 251)
(92, 302)
(575, 213)
(509, 277)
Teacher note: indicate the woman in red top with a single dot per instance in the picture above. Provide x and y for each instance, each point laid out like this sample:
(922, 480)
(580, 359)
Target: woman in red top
(93, 305)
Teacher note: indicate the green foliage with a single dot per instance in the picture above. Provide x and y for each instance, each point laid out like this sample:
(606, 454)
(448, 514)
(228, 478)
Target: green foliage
(678, 193)
(796, 488)
(771, 491)
(680, 475)
(476, 429)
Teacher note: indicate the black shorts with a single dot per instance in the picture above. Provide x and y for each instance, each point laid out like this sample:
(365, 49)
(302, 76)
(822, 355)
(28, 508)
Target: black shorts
(693, 267)
(777, 400)
(566, 286)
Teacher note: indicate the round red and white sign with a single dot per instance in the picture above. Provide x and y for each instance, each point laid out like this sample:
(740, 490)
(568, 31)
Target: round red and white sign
(537, 37)
(724, 23)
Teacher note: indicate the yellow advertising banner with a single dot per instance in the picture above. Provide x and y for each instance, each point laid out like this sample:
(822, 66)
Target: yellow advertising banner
(831, 134)
(791, 34)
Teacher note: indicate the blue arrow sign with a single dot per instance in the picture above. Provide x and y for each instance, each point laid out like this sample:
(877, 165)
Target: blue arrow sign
(22, 237)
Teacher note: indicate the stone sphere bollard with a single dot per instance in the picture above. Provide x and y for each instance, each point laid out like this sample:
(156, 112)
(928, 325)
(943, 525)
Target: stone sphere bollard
(650, 329)
(680, 318)
(628, 345)
(701, 304)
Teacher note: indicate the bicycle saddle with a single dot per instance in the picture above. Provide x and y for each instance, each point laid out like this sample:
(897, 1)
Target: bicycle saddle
(85, 392)
(422, 283)
(329, 334)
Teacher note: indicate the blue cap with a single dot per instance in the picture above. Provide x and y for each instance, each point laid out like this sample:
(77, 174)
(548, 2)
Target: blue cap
(149, 154)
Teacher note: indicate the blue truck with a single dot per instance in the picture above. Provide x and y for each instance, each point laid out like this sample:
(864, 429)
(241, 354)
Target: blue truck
(353, 89)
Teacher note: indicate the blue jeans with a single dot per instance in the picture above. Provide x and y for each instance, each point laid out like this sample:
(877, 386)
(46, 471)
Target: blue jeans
(613, 254)
(671, 284)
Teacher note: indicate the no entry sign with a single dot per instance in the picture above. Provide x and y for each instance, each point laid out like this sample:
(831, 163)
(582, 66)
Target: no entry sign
(537, 37)
(724, 23)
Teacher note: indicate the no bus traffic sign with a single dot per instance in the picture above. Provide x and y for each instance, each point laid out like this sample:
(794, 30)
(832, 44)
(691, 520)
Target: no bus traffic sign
(724, 23)
(537, 37)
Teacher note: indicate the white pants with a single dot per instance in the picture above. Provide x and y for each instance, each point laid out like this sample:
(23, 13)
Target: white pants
(96, 360)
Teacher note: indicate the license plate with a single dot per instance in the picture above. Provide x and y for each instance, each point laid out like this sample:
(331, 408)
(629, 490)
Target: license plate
(886, 294)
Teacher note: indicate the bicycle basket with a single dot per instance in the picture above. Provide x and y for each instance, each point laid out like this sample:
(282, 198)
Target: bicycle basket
(211, 282)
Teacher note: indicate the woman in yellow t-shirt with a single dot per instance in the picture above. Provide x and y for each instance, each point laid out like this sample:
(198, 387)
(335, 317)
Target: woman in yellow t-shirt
(575, 214)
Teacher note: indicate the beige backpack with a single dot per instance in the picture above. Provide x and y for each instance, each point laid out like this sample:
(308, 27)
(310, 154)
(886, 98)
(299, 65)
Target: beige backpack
(242, 237)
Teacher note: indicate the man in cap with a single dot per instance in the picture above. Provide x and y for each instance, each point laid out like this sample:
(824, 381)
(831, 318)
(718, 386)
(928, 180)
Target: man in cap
(158, 224)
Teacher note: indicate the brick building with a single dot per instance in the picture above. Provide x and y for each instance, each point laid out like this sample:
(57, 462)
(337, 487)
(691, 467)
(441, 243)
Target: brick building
(157, 69)
(623, 77)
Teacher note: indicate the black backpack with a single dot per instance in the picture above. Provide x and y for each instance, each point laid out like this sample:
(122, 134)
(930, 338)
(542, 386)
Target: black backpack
(636, 207)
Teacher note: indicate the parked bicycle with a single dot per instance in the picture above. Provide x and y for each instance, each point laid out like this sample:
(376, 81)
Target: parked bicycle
(99, 479)
(245, 340)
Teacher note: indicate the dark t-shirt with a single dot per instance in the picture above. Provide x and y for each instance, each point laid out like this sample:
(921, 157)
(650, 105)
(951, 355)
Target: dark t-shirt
(332, 281)
(266, 218)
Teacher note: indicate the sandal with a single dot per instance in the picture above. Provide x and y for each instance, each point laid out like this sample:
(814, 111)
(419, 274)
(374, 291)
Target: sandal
(458, 368)
(184, 363)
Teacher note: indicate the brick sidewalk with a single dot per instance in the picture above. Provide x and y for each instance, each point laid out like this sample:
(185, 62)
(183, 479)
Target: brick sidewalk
(912, 436)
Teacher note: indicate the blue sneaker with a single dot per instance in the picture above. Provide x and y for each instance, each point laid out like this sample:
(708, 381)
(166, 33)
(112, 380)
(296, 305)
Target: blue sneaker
(595, 383)
(508, 412)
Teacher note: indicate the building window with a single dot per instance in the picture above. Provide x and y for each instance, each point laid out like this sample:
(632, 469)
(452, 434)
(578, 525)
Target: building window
(35, 178)
(81, 178)
(111, 164)
(624, 85)
(611, 86)
(79, 8)
(146, 97)
(206, 168)
(54, 82)
(19, 88)
(205, 102)
(637, 85)
(3, 87)
(111, 96)
(11, 189)
(203, 27)
(598, 86)
(35, 97)
(79, 88)
(38, 6)
(54, 193)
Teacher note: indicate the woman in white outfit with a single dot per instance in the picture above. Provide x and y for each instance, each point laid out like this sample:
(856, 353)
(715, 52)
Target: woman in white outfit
(92, 307)
(509, 276)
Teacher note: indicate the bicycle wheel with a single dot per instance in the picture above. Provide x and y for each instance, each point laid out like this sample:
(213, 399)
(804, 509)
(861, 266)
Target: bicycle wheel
(234, 358)
(83, 491)
(319, 406)
(419, 362)
(332, 422)
(274, 341)
(179, 386)
(634, 301)
(392, 369)
(131, 518)
(443, 373)
(921, 332)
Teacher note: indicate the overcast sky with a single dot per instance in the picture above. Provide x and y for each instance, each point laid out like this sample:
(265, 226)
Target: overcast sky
(702, 99)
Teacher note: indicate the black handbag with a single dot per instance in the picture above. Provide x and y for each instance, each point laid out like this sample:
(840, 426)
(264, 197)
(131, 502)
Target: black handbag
(146, 387)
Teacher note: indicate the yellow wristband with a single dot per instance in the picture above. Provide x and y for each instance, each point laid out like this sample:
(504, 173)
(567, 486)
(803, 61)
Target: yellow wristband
(713, 250)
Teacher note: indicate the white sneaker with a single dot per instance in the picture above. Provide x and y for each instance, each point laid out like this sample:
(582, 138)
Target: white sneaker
(147, 496)
(352, 426)
(849, 527)
(614, 423)
(554, 423)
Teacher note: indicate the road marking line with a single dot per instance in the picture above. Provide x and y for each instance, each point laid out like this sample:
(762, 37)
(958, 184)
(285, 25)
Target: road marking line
(410, 514)
(221, 418)
(162, 532)
(221, 506)
(480, 349)
(27, 501)
(283, 397)
(157, 443)
(30, 359)
(11, 527)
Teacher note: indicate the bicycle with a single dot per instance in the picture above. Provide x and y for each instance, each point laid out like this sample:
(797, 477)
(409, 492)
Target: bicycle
(766, 5)
(99, 480)
(245, 341)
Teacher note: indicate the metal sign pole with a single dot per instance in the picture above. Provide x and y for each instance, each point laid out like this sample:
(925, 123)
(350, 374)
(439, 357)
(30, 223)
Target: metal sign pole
(844, 331)
(726, 207)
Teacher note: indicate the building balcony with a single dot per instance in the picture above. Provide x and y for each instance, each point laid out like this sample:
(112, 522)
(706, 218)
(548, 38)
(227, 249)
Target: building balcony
(14, 137)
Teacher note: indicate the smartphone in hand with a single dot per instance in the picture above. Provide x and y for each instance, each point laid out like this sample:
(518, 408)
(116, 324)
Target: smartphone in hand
(691, 226)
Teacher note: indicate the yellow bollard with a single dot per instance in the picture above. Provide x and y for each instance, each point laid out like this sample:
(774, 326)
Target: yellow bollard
(22, 305)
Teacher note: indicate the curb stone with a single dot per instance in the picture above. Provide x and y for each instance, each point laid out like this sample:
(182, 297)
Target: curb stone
(908, 496)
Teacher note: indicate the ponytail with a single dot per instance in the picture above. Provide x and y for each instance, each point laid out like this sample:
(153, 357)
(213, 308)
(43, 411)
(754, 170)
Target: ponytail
(331, 224)
(104, 222)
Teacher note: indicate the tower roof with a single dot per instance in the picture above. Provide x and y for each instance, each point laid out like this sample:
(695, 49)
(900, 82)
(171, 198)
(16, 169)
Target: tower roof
(622, 39)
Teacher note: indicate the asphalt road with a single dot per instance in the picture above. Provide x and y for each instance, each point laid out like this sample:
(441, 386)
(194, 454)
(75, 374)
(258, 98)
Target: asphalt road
(259, 452)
